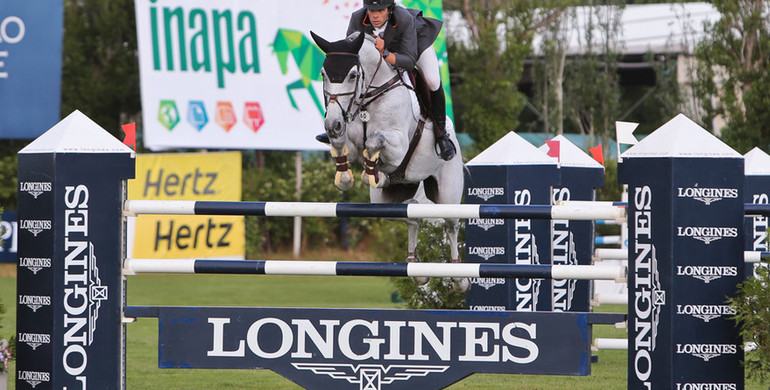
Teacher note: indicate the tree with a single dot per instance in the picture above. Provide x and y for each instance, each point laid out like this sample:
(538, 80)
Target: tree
(100, 69)
(592, 95)
(732, 73)
(490, 63)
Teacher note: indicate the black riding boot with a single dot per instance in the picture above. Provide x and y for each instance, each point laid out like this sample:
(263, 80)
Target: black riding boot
(438, 107)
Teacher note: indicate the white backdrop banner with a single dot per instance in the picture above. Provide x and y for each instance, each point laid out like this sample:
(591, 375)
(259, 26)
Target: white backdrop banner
(237, 74)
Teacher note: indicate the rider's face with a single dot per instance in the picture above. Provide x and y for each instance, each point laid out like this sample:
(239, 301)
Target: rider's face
(378, 18)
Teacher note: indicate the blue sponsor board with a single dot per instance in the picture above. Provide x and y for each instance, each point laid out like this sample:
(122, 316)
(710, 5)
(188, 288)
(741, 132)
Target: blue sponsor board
(511, 171)
(374, 349)
(685, 258)
(30, 67)
(757, 171)
(9, 227)
(69, 271)
(573, 241)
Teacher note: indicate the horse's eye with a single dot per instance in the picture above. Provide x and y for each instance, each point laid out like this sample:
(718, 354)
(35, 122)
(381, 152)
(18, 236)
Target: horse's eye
(353, 75)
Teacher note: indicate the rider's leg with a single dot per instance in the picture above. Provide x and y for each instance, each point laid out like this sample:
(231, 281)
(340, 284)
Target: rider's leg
(427, 65)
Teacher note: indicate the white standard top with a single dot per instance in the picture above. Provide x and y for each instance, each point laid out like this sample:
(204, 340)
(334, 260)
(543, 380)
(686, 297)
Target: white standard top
(681, 137)
(512, 149)
(757, 163)
(77, 133)
(570, 155)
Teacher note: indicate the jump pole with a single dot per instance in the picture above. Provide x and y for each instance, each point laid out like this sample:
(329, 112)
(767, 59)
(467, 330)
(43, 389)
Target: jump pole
(353, 268)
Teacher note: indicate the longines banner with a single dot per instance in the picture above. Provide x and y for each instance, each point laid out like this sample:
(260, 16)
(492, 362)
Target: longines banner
(30, 66)
(241, 74)
(187, 176)
(374, 349)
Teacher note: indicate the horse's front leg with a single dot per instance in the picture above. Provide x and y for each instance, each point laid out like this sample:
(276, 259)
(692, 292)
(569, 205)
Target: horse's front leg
(371, 156)
(382, 149)
(343, 177)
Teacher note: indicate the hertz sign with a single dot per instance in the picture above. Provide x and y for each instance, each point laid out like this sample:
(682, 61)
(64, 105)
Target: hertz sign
(187, 176)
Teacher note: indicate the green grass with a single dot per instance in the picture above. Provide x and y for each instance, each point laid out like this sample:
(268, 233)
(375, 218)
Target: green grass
(293, 291)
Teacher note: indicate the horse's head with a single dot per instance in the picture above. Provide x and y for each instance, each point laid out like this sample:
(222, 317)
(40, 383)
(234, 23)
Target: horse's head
(342, 82)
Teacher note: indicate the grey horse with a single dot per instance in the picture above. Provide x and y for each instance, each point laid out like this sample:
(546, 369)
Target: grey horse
(370, 119)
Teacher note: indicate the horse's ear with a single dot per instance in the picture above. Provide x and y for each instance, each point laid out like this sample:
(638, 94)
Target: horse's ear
(324, 45)
(357, 42)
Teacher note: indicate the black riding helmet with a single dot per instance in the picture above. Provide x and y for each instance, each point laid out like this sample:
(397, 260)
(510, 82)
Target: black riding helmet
(376, 5)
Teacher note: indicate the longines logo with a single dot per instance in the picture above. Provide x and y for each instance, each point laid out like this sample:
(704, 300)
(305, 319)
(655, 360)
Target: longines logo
(487, 252)
(35, 226)
(370, 376)
(34, 340)
(705, 312)
(650, 296)
(486, 223)
(34, 378)
(488, 283)
(487, 308)
(564, 253)
(706, 386)
(706, 273)
(705, 233)
(83, 290)
(34, 264)
(707, 195)
(358, 339)
(34, 188)
(486, 193)
(706, 351)
(35, 302)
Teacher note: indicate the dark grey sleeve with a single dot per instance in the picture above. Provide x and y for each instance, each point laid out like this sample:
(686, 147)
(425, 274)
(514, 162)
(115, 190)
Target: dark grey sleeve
(406, 56)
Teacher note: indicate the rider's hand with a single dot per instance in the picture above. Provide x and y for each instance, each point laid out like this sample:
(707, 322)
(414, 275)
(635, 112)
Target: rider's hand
(379, 43)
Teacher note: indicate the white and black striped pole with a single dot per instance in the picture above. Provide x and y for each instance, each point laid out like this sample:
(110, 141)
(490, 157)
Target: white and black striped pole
(345, 268)
(580, 211)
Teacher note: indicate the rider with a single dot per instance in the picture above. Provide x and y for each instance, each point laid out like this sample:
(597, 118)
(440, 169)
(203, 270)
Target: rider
(405, 39)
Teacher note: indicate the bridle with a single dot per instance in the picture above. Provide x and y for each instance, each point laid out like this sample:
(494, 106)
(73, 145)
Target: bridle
(355, 93)
(371, 95)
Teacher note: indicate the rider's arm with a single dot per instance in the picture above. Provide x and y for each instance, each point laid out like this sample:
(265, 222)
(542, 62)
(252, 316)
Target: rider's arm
(406, 56)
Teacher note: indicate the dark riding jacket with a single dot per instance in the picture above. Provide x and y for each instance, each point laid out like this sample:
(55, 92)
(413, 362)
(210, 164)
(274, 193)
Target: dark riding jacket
(407, 33)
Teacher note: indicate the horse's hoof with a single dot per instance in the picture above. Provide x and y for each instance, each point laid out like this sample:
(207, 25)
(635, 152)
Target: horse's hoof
(461, 284)
(418, 280)
(377, 181)
(344, 185)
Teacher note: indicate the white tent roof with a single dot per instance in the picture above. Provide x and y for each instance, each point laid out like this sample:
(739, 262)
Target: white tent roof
(660, 28)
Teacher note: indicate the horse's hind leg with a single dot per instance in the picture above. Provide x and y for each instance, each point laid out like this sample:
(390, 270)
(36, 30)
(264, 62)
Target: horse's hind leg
(412, 227)
(452, 229)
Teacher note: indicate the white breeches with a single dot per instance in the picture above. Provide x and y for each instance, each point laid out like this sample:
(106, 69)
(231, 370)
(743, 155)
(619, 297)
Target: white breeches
(427, 65)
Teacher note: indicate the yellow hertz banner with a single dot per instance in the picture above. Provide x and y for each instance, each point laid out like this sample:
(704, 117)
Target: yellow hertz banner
(187, 176)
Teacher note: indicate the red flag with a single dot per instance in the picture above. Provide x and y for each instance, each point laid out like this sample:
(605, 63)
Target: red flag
(553, 148)
(597, 154)
(130, 130)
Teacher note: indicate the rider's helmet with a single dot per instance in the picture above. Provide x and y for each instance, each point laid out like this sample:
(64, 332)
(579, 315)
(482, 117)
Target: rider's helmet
(376, 5)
